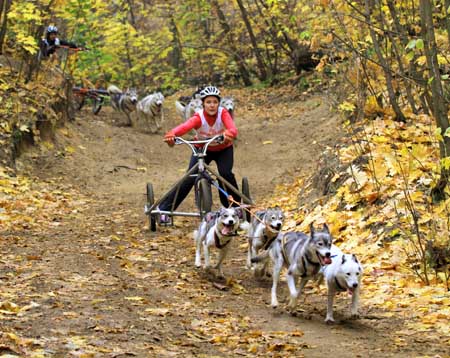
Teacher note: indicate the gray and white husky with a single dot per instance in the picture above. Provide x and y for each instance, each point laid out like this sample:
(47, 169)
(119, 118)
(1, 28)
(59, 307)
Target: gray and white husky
(149, 109)
(262, 233)
(123, 101)
(228, 103)
(343, 274)
(216, 230)
(187, 111)
(303, 255)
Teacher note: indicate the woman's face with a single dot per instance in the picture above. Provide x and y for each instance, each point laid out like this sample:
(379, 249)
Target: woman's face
(211, 105)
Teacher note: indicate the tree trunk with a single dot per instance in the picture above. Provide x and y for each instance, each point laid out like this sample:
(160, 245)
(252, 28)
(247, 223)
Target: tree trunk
(261, 66)
(387, 72)
(6, 4)
(402, 71)
(447, 19)
(176, 56)
(132, 17)
(438, 104)
(416, 76)
(231, 42)
(1, 9)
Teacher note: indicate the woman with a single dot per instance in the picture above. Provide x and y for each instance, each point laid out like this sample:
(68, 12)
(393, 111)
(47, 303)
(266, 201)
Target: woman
(211, 121)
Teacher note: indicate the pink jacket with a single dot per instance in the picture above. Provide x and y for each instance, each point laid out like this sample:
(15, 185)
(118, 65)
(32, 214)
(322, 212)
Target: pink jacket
(195, 122)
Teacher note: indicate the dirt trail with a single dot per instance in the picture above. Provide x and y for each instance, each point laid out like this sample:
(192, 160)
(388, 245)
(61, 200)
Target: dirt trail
(108, 287)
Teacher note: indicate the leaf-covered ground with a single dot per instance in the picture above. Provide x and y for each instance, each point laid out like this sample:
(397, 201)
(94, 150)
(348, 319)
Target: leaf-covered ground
(82, 276)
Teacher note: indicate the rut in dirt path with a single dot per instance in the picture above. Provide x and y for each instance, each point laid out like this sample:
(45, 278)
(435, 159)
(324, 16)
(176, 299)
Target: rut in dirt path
(107, 287)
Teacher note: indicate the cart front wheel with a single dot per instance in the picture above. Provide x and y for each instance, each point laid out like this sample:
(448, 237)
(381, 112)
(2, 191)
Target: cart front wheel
(150, 202)
(204, 197)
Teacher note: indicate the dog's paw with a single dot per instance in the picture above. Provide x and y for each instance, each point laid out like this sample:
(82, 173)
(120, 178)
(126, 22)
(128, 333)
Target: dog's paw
(329, 320)
(354, 316)
(292, 303)
(274, 304)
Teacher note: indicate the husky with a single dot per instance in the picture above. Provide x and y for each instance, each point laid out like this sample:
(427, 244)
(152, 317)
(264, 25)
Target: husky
(228, 103)
(123, 101)
(263, 230)
(216, 229)
(343, 274)
(187, 111)
(150, 110)
(303, 256)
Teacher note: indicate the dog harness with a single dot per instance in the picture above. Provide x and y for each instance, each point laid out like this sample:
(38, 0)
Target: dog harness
(207, 131)
(268, 242)
(283, 250)
(315, 264)
(217, 242)
(305, 259)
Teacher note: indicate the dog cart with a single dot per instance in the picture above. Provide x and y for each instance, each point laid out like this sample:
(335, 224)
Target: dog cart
(205, 177)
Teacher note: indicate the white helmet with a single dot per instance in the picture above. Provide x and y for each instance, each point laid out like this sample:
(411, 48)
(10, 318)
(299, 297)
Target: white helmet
(52, 29)
(209, 91)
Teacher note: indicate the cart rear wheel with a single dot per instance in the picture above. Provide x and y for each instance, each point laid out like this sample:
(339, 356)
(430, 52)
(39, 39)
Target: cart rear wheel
(204, 197)
(150, 202)
(246, 191)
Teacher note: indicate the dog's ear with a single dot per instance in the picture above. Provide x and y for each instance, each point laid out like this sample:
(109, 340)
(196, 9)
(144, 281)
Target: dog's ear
(355, 259)
(240, 213)
(343, 260)
(311, 229)
(326, 228)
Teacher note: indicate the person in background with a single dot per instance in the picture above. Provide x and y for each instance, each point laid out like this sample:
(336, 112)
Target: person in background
(51, 42)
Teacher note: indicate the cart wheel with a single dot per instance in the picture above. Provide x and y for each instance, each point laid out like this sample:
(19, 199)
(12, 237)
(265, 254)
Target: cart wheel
(150, 202)
(98, 102)
(246, 191)
(204, 197)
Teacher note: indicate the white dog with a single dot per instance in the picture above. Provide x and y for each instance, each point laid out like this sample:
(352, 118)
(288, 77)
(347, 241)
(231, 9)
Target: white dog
(187, 111)
(343, 274)
(216, 230)
(228, 103)
(149, 109)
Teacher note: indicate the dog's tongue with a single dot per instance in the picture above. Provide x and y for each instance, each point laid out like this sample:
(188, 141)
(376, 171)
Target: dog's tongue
(226, 230)
(350, 291)
(326, 260)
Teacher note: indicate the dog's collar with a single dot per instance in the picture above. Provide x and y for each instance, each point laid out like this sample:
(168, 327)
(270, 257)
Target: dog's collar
(217, 242)
(340, 288)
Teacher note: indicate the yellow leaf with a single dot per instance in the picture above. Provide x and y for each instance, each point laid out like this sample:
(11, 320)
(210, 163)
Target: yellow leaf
(134, 298)
(267, 142)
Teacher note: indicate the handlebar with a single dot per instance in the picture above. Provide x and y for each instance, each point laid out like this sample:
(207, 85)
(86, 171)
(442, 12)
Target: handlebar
(191, 143)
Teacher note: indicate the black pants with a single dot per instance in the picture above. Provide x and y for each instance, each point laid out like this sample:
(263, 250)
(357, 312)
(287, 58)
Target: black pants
(224, 160)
